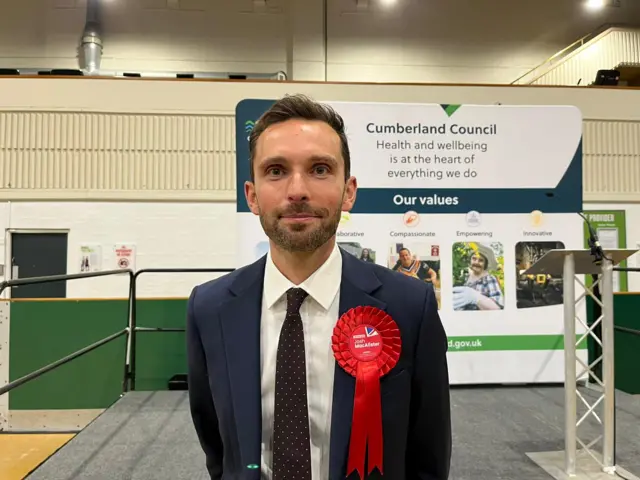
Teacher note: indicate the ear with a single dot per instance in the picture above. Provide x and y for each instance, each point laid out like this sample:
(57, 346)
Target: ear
(252, 199)
(349, 194)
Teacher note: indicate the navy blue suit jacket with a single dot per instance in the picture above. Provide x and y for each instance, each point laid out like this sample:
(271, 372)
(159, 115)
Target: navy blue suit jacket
(223, 345)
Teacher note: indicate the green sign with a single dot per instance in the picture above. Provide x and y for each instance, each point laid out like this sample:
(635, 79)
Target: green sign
(611, 228)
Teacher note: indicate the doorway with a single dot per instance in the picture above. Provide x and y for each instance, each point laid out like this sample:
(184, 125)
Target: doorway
(39, 254)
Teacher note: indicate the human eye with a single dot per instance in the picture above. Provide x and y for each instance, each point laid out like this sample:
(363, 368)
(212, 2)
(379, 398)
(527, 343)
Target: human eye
(274, 171)
(321, 169)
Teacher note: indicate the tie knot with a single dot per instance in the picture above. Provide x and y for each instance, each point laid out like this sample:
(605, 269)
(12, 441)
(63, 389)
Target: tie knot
(295, 297)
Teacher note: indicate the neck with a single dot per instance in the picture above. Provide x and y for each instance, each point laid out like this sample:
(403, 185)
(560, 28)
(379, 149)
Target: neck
(298, 266)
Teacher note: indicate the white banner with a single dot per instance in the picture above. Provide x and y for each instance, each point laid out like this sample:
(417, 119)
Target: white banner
(420, 146)
(470, 236)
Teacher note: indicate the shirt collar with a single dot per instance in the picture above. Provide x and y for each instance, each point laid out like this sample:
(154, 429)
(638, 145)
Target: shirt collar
(322, 285)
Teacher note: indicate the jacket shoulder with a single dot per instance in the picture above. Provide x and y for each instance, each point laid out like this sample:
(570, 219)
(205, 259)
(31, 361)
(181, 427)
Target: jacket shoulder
(217, 290)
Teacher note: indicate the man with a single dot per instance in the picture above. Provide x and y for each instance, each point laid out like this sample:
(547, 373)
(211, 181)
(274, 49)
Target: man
(267, 397)
(481, 290)
(412, 267)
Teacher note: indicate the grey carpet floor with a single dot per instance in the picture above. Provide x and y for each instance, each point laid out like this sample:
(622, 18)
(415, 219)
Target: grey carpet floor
(149, 436)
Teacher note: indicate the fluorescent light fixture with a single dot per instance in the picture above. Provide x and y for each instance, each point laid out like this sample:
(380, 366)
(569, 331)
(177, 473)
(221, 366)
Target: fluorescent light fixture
(388, 3)
(595, 4)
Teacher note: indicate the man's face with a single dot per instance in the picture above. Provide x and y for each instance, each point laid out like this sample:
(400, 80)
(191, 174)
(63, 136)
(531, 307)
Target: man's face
(477, 263)
(405, 258)
(299, 190)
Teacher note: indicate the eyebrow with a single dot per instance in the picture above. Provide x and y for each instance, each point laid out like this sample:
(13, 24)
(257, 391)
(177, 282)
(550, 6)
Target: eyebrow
(314, 159)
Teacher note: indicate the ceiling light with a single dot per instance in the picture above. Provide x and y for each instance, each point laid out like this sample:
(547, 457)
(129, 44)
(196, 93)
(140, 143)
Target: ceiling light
(595, 4)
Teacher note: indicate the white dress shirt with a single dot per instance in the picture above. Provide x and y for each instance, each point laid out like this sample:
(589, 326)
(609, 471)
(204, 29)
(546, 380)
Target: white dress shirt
(319, 314)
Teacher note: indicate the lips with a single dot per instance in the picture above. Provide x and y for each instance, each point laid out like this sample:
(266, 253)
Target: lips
(299, 218)
(302, 212)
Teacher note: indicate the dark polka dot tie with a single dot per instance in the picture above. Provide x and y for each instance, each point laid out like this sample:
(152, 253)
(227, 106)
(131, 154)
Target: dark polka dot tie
(291, 445)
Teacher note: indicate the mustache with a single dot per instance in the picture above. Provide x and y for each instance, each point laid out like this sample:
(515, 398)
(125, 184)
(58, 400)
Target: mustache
(300, 208)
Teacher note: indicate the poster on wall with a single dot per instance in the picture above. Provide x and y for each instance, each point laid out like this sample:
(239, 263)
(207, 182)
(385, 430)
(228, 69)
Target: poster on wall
(611, 228)
(125, 256)
(466, 198)
(90, 258)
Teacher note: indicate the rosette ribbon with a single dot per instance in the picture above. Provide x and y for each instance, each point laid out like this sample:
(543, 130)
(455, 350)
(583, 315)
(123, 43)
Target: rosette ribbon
(366, 344)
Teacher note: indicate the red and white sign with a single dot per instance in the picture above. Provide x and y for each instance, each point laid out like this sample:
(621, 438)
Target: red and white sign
(435, 250)
(125, 256)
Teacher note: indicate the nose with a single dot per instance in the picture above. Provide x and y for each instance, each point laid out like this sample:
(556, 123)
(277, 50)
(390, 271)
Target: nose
(297, 188)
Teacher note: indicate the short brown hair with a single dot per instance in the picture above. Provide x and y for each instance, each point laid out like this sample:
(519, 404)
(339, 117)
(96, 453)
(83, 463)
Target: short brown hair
(300, 107)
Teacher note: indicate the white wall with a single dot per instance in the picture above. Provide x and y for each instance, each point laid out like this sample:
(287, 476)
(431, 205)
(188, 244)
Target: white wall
(166, 235)
(173, 235)
(130, 139)
(453, 41)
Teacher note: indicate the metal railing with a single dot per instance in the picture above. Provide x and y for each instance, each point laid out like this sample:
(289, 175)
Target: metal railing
(130, 376)
(56, 278)
(130, 330)
(564, 53)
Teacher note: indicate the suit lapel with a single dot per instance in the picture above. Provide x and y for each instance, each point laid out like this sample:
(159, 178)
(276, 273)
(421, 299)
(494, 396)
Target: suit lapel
(240, 319)
(358, 282)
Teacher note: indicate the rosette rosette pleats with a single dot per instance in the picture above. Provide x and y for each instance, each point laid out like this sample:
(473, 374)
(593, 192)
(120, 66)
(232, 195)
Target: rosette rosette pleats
(366, 344)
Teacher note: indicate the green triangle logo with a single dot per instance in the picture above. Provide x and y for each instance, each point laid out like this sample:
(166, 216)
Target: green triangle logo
(449, 109)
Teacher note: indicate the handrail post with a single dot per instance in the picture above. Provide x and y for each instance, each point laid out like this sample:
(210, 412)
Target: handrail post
(126, 373)
(133, 325)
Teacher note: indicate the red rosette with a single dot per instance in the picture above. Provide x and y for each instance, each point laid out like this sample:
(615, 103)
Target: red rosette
(366, 344)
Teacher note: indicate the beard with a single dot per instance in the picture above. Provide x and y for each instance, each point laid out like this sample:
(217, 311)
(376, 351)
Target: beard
(301, 237)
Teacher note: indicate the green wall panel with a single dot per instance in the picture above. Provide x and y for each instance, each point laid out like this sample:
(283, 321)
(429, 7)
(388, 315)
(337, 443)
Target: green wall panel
(43, 332)
(627, 357)
(160, 355)
(626, 308)
(627, 345)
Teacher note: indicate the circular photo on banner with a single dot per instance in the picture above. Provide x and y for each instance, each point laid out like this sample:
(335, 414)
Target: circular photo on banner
(536, 218)
(411, 219)
(474, 219)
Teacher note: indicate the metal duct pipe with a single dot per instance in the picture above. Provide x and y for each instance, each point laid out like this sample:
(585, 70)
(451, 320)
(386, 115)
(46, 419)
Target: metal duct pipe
(280, 76)
(91, 43)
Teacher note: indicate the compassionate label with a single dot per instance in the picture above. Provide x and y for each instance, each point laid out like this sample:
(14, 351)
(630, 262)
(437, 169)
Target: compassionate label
(365, 343)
